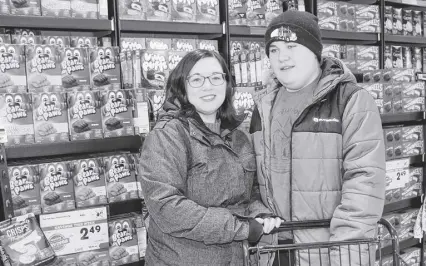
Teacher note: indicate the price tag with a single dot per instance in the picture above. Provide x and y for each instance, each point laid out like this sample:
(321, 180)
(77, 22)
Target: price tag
(397, 164)
(397, 179)
(76, 231)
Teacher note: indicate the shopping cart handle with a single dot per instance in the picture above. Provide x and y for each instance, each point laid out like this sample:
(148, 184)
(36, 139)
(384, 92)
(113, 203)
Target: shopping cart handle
(298, 225)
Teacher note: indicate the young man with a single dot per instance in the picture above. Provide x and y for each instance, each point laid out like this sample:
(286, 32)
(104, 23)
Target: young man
(319, 144)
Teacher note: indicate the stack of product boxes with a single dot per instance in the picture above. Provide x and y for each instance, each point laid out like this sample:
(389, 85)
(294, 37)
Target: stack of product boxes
(87, 9)
(147, 62)
(404, 21)
(199, 11)
(357, 58)
(403, 181)
(258, 12)
(342, 16)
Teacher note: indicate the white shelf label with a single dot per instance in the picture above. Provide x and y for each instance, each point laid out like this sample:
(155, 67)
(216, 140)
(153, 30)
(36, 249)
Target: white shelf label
(397, 179)
(397, 164)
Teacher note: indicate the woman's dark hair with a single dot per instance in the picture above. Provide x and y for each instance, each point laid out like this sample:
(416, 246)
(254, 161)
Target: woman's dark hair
(176, 87)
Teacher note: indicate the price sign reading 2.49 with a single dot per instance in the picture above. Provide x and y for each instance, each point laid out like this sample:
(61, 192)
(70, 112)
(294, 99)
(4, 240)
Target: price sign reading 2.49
(76, 231)
(396, 179)
(85, 231)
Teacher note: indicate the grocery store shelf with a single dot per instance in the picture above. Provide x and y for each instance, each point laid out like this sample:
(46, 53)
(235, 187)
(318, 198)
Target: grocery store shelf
(56, 23)
(419, 41)
(170, 27)
(421, 76)
(402, 117)
(403, 204)
(407, 2)
(402, 245)
(349, 36)
(128, 143)
(247, 31)
(139, 263)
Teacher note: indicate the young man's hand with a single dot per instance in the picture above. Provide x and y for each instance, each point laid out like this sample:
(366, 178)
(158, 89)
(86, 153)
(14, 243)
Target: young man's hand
(269, 223)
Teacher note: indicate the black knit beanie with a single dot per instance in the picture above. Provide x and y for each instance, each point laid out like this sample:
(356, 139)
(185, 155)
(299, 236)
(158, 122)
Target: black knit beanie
(295, 26)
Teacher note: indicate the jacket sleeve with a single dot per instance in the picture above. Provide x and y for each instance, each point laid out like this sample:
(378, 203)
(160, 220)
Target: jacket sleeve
(256, 205)
(164, 172)
(363, 184)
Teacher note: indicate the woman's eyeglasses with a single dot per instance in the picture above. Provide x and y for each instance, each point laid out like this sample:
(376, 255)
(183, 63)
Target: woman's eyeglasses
(197, 81)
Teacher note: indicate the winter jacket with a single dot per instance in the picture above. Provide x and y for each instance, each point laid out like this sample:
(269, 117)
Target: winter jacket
(195, 184)
(337, 164)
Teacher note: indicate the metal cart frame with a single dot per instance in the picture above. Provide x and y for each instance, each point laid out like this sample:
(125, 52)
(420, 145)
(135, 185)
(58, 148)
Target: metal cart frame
(287, 226)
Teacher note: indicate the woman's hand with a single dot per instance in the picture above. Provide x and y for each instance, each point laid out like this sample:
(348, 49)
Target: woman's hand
(269, 223)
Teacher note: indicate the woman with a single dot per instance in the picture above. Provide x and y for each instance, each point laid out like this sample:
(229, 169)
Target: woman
(198, 171)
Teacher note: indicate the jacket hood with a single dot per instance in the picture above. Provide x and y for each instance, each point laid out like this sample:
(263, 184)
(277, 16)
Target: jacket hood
(334, 72)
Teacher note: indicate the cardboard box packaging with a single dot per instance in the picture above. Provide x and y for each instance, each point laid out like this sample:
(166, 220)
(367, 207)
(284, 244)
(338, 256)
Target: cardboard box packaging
(407, 22)
(57, 187)
(388, 20)
(159, 10)
(397, 21)
(87, 9)
(132, 10)
(208, 11)
(83, 42)
(237, 12)
(185, 45)
(123, 242)
(43, 68)
(256, 13)
(75, 69)
(417, 23)
(25, 189)
(59, 41)
(102, 9)
(12, 68)
(84, 115)
(56, 8)
(50, 117)
(25, 7)
(155, 69)
(105, 68)
(184, 10)
(5, 7)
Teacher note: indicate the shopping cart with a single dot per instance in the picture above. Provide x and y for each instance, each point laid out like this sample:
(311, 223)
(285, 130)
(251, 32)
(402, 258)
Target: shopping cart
(341, 253)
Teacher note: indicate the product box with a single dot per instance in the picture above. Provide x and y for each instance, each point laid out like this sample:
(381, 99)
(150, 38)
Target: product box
(85, 9)
(411, 256)
(25, 39)
(413, 104)
(208, 11)
(56, 8)
(59, 41)
(424, 23)
(397, 60)
(366, 65)
(407, 22)
(347, 17)
(375, 90)
(117, 113)
(25, 7)
(407, 57)
(98, 257)
(184, 10)
(331, 50)
(367, 25)
(174, 58)
(103, 9)
(50, 117)
(417, 23)
(83, 42)
(123, 241)
(12, 68)
(132, 44)
(56, 187)
(158, 44)
(22, 242)
(397, 21)
(273, 9)
(16, 117)
(403, 75)
(159, 10)
(5, 38)
(330, 23)
(413, 89)
(43, 68)
(75, 69)
(120, 177)
(132, 9)
(24, 184)
(244, 103)
(155, 69)
(89, 182)
(388, 20)
(142, 235)
(367, 11)
(186, 45)
(417, 59)
(237, 12)
(126, 61)
(211, 45)
(141, 115)
(256, 13)
(23, 31)
(367, 52)
(105, 68)
(5, 7)
(156, 99)
(84, 115)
